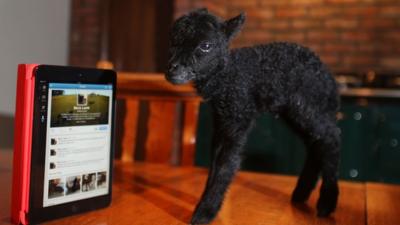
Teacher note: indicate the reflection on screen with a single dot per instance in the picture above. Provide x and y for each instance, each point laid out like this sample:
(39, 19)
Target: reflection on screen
(77, 142)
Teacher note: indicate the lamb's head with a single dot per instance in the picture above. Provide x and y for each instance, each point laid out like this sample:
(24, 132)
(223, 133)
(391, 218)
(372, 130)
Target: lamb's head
(199, 45)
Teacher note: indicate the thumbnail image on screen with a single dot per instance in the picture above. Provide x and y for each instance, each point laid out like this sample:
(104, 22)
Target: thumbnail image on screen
(72, 108)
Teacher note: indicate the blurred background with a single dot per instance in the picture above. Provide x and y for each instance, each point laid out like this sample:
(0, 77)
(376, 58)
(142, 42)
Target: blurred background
(358, 39)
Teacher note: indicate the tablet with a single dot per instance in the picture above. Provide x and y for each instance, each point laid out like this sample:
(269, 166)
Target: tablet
(69, 161)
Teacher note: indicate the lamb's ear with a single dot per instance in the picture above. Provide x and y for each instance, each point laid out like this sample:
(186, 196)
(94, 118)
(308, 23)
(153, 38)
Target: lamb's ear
(234, 25)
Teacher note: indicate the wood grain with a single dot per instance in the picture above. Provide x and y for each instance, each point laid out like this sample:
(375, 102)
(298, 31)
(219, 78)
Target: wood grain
(152, 194)
(189, 131)
(152, 86)
(161, 126)
(130, 129)
(157, 194)
(171, 134)
(383, 204)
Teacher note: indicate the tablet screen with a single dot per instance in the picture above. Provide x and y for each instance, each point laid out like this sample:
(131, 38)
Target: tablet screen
(77, 161)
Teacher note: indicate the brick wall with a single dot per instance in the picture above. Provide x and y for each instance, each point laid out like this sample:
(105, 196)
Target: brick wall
(86, 22)
(352, 36)
(217, 7)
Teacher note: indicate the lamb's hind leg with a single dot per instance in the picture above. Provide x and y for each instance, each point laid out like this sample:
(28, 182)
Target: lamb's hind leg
(322, 137)
(330, 148)
(308, 177)
(312, 166)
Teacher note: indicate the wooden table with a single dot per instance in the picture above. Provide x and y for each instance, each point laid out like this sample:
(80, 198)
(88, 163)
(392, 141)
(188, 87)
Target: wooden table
(157, 194)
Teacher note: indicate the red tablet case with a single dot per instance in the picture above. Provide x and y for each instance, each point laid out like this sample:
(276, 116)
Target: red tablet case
(22, 143)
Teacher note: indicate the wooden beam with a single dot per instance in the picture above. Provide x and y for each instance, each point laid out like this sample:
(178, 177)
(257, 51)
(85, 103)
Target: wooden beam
(171, 134)
(152, 84)
(130, 130)
(383, 203)
(189, 130)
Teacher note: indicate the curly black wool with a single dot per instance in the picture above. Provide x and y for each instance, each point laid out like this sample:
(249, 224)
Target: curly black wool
(284, 79)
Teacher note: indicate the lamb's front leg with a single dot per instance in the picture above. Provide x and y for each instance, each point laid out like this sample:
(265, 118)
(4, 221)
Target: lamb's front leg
(228, 142)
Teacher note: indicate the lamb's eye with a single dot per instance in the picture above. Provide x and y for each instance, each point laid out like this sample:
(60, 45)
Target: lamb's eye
(205, 47)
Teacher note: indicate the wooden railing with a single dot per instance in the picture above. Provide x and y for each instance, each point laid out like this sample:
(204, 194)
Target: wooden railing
(159, 121)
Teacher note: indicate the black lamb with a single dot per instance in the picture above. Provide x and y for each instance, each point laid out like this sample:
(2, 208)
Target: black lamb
(284, 79)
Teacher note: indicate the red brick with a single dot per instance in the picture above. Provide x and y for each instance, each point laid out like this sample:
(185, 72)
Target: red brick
(294, 37)
(196, 4)
(232, 12)
(321, 36)
(269, 3)
(240, 42)
(251, 23)
(307, 2)
(216, 8)
(342, 1)
(391, 62)
(388, 1)
(342, 23)
(385, 49)
(356, 36)
(182, 4)
(181, 7)
(391, 36)
(324, 11)
(260, 14)
(330, 59)
(179, 12)
(390, 11)
(243, 3)
(257, 36)
(306, 24)
(351, 35)
(375, 23)
(358, 59)
(275, 25)
(290, 12)
(339, 47)
(316, 47)
(367, 48)
(368, 11)
(338, 68)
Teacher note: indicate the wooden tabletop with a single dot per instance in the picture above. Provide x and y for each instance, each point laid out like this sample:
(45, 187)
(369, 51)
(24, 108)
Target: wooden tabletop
(158, 194)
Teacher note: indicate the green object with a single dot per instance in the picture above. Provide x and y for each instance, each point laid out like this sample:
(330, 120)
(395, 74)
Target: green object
(370, 142)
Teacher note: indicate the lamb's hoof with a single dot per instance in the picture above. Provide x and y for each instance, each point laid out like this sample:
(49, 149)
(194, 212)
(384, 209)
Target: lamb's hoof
(325, 209)
(327, 201)
(324, 212)
(201, 220)
(300, 196)
(203, 215)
